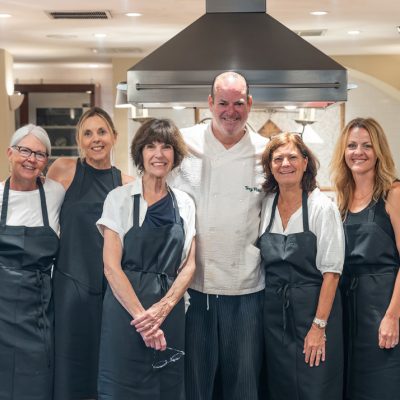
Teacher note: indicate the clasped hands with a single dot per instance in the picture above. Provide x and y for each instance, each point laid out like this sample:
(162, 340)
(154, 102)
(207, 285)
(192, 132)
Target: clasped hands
(148, 325)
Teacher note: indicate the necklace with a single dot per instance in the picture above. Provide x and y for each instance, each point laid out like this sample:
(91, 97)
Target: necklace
(364, 196)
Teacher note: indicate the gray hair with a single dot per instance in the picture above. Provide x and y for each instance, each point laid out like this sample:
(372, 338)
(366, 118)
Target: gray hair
(34, 130)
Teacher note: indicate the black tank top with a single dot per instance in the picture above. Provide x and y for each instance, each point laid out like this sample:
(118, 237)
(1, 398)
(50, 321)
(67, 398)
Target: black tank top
(381, 217)
(81, 245)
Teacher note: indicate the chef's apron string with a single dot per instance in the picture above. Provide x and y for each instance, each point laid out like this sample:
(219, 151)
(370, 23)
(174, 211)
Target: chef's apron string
(42, 322)
(283, 292)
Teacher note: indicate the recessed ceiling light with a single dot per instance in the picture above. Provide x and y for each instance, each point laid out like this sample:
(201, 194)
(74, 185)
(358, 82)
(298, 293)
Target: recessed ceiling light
(355, 32)
(61, 36)
(398, 28)
(178, 107)
(133, 14)
(319, 12)
(93, 66)
(290, 107)
(100, 35)
(4, 15)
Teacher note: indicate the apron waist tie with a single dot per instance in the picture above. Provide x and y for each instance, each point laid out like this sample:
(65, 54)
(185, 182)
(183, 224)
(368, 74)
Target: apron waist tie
(42, 315)
(351, 295)
(162, 278)
(283, 292)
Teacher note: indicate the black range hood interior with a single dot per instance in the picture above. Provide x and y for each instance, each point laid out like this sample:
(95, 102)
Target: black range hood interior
(281, 67)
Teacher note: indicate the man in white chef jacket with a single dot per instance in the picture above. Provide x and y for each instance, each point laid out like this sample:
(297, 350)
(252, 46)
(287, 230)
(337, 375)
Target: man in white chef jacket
(223, 174)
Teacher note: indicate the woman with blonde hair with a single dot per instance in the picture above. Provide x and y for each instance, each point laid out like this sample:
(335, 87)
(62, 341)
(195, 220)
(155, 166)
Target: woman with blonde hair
(368, 196)
(79, 283)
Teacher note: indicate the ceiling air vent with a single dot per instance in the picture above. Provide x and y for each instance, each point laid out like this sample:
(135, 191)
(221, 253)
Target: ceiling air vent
(311, 32)
(79, 14)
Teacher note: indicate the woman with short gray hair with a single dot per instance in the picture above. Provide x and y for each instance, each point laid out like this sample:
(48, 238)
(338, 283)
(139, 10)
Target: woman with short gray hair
(28, 246)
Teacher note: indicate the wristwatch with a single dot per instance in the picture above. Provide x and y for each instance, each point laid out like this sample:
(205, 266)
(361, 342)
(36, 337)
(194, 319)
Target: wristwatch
(321, 323)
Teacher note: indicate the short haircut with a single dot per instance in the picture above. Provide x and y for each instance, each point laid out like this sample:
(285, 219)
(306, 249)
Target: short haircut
(309, 180)
(157, 130)
(34, 130)
(233, 74)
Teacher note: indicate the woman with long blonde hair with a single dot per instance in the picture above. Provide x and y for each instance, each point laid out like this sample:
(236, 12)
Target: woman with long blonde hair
(368, 196)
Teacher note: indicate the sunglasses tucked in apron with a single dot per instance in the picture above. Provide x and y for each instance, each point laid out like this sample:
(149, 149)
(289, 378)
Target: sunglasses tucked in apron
(26, 312)
(370, 270)
(151, 258)
(293, 284)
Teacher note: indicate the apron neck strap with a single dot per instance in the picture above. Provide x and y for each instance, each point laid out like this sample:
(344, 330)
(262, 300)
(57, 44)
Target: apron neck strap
(4, 208)
(371, 211)
(6, 194)
(43, 203)
(175, 204)
(305, 211)
(274, 204)
(136, 204)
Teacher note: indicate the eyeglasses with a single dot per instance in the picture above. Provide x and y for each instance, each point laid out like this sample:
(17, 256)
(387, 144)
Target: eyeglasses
(163, 363)
(26, 152)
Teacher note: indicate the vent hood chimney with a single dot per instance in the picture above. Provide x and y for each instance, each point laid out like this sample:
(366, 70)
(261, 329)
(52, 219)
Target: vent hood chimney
(280, 66)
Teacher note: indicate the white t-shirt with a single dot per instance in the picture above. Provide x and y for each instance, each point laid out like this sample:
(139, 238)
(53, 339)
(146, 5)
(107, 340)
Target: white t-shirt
(226, 187)
(324, 221)
(118, 212)
(24, 207)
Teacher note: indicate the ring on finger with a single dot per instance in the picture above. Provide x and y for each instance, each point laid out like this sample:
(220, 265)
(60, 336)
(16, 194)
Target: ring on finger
(319, 351)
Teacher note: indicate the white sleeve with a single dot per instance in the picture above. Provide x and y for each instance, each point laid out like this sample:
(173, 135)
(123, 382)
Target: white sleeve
(187, 210)
(114, 214)
(330, 239)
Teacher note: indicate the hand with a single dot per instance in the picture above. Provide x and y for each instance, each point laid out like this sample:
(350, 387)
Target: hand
(388, 332)
(148, 322)
(314, 346)
(156, 341)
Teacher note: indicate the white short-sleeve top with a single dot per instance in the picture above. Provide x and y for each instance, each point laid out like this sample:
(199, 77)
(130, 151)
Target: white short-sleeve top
(118, 212)
(324, 221)
(24, 207)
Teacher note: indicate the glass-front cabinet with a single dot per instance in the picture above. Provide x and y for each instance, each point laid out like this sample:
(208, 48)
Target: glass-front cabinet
(57, 109)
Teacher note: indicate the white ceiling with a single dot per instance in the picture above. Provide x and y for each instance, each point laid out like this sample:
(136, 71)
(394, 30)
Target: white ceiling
(25, 33)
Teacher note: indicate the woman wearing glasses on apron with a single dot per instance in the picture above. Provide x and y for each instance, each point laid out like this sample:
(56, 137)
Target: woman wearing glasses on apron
(79, 283)
(148, 230)
(28, 246)
(302, 249)
(369, 201)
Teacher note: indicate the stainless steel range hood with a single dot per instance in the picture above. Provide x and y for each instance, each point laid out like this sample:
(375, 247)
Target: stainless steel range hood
(279, 65)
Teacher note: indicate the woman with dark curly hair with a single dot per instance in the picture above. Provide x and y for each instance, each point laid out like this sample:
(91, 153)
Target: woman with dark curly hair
(368, 195)
(148, 230)
(302, 250)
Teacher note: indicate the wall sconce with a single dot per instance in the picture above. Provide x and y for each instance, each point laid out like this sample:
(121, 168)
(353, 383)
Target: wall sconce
(15, 100)
(306, 117)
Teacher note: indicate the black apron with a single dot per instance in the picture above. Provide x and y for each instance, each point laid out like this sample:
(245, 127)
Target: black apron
(26, 311)
(151, 258)
(79, 283)
(371, 267)
(292, 289)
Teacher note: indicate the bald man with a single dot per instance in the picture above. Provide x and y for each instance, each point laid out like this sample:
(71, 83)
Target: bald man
(223, 174)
